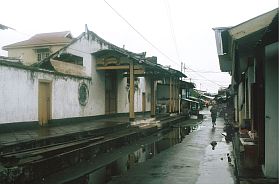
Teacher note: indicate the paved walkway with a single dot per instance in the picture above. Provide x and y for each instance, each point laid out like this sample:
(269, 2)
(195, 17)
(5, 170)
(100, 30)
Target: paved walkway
(17, 136)
(43, 132)
(192, 161)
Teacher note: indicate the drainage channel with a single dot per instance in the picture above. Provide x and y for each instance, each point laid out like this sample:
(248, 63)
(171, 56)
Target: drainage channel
(120, 161)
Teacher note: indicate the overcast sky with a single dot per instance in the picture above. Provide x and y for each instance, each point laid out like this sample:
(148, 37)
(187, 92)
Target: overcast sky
(181, 29)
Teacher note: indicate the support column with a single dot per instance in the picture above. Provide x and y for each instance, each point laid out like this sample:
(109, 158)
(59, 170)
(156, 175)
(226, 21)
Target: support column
(170, 100)
(132, 92)
(152, 98)
(173, 96)
(177, 96)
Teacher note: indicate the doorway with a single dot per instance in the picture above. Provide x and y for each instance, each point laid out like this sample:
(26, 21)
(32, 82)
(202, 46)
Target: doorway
(143, 102)
(111, 92)
(44, 110)
(271, 110)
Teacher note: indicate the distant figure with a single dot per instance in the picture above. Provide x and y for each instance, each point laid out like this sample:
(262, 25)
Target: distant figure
(213, 111)
(207, 104)
(213, 144)
(229, 158)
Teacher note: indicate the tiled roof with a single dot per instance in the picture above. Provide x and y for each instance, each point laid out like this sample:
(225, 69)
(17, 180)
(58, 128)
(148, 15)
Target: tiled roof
(43, 39)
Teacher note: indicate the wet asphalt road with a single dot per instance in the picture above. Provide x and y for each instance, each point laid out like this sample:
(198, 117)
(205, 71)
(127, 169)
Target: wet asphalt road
(192, 161)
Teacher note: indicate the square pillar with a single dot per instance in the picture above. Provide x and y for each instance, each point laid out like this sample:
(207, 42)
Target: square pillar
(170, 100)
(132, 92)
(153, 102)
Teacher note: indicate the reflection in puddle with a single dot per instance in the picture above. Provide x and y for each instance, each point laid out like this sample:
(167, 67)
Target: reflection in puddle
(166, 139)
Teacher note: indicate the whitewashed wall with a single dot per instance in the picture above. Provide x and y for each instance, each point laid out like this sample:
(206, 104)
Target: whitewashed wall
(19, 96)
(19, 90)
(147, 91)
(123, 92)
(84, 47)
(138, 96)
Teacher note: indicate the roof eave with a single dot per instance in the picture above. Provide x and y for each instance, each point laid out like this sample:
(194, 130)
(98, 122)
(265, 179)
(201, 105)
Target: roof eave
(34, 45)
(253, 25)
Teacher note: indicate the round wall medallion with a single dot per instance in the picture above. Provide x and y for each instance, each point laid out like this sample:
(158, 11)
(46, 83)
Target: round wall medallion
(83, 94)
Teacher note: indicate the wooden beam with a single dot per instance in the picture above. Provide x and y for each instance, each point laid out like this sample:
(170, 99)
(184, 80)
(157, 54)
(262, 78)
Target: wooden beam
(170, 100)
(112, 60)
(178, 99)
(119, 67)
(138, 72)
(132, 91)
(177, 95)
(173, 96)
(152, 98)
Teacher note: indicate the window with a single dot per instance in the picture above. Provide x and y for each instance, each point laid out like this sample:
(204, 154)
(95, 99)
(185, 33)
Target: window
(83, 94)
(39, 57)
(42, 53)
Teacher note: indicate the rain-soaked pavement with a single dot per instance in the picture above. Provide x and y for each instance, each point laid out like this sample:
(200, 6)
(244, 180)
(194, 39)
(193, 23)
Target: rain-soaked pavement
(191, 161)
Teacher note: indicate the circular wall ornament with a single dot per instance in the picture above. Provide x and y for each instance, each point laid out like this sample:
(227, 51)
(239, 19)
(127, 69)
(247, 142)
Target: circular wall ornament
(83, 94)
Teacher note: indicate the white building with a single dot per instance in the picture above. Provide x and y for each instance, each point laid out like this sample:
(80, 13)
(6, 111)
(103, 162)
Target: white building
(88, 77)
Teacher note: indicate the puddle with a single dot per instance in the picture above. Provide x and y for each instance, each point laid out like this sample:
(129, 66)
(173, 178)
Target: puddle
(166, 139)
(221, 160)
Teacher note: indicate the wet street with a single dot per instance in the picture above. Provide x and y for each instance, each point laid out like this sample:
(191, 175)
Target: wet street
(191, 161)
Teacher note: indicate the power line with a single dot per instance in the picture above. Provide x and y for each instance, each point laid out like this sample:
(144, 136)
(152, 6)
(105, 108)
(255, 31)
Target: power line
(198, 71)
(205, 80)
(204, 77)
(146, 41)
(87, 53)
(168, 9)
(143, 37)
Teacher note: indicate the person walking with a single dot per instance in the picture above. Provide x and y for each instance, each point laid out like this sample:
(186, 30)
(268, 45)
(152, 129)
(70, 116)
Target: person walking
(213, 111)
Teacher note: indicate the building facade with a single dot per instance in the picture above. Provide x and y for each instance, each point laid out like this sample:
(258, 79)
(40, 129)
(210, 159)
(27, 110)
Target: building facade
(88, 77)
(38, 46)
(249, 51)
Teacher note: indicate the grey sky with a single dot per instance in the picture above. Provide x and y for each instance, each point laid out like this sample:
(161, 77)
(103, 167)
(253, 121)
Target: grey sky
(192, 23)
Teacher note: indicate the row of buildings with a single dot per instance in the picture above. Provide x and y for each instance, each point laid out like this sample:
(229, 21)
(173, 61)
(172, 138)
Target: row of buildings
(249, 52)
(55, 77)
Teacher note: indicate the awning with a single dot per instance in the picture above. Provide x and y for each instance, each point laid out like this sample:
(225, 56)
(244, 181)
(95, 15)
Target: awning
(189, 100)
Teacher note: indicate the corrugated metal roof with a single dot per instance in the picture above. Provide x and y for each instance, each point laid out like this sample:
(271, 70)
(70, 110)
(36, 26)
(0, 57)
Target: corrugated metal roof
(246, 35)
(253, 25)
(219, 41)
(222, 44)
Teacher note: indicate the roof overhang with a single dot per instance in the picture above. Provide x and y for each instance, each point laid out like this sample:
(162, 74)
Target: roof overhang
(223, 46)
(249, 34)
(189, 100)
(244, 37)
(187, 85)
(117, 59)
(208, 97)
(253, 25)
